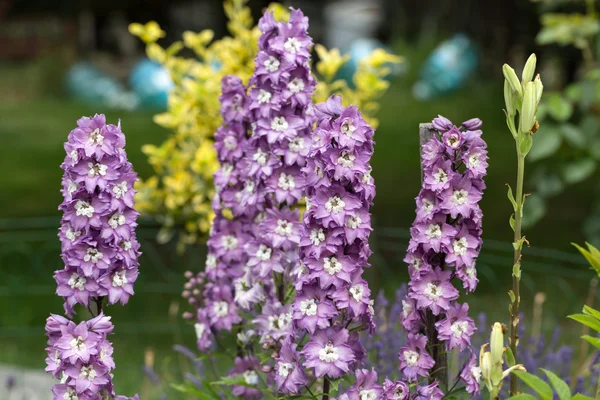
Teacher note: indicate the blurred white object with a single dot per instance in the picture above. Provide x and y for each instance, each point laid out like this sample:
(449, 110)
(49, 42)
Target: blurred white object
(25, 384)
(349, 20)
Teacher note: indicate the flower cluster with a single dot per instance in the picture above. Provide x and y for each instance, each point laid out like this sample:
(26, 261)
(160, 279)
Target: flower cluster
(99, 246)
(333, 300)
(100, 252)
(445, 242)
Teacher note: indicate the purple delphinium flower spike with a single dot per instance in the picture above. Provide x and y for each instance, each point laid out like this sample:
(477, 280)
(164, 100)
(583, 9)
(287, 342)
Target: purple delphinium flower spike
(444, 245)
(100, 253)
(334, 249)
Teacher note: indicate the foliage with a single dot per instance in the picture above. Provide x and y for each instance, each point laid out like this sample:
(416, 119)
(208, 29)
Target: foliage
(179, 192)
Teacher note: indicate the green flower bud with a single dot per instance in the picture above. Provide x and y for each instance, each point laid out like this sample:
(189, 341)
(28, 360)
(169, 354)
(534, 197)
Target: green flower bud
(511, 77)
(485, 363)
(529, 69)
(539, 88)
(497, 342)
(528, 109)
(508, 99)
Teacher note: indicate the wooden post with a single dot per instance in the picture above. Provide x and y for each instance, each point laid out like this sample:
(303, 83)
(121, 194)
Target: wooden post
(434, 347)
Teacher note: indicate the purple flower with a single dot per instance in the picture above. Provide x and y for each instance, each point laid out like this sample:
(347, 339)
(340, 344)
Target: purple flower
(460, 198)
(457, 328)
(435, 234)
(397, 390)
(77, 343)
(414, 359)
(328, 353)
(313, 309)
(471, 375)
(246, 367)
(222, 311)
(429, 392)
(365, 387)
(434, 291)
(289, 376)
(275, 322)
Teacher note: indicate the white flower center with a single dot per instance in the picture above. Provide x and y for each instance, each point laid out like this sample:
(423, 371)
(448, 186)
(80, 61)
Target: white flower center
(227, 169)
(440, 176)
(271, 64)
(411, 357)
(230, 143)
(460, 246)
(416, 262)
(93, 255)
(71, 187)
(346, 159)
(87, 372)
(331, 265)
(76, 281)
(357, 292)
(474, 160)
(296, 145)
(433, 292)
(120, 189)
(317, 236)
(353, 221)
(347, 128)
(283, 369)
(283, 228)
(119, 279)
(453, 141)
(335, 204)
(96, 169)
(367, 394)
(459, 328)
(279, 322)
(328, 353)
(407, 308)
(286, 182)
(279, 124)
(470, 271)
(249, 186)
(434, 231)
(211, 261)
(264, 96)
(116, 220)
(308, 307)
(427, 206)
(250, 377)
(260, 157)
(96, 138)
(71, 234)
(459, 197)
(77, 344)
(292, 45)
(84, 208)
(70, 394)
(263, 253)
(221, 308)
(476, 373)
(200, 329)
(125, 245)
(296, 85)
(229, 242)
(74, 156)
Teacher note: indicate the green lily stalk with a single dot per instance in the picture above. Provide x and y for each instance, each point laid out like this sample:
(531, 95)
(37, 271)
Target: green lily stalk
(522, 99)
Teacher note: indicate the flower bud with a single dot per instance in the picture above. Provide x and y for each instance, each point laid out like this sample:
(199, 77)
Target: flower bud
(511, 77)
(528, 109)
(485, 364)
(539, 88)
(508, 99)
(497, 342)
(529, 69)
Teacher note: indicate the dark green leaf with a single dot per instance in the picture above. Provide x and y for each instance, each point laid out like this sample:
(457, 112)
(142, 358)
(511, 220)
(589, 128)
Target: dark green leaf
(561, 387)
(573, 135)
(547, 142)
(558, 107)
(579, 170)
(510, 357)
(537, 384)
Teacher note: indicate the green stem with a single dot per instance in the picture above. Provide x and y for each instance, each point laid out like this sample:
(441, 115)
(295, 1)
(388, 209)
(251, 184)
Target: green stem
(514, 309)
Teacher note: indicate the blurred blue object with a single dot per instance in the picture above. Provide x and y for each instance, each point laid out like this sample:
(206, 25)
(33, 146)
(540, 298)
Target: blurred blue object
(152, 84)
(88, 84)
(359, 49)
(447, 68)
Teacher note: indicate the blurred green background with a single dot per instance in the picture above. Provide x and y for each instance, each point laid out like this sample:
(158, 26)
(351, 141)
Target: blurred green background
(36, 116)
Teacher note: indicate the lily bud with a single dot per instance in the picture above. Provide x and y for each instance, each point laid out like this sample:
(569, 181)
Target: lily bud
(529, 69)
(511, 77)
(528, 109)
(508, 99)
(485, 363)
(497, 342)
(539, 88)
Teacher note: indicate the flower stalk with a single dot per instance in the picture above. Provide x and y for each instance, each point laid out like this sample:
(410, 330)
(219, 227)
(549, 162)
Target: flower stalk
(521, 98)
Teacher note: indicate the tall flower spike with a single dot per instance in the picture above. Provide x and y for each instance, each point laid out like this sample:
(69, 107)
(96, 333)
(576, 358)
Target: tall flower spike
(333, 300)
(444, 245)
(100, 253)
(280, 111)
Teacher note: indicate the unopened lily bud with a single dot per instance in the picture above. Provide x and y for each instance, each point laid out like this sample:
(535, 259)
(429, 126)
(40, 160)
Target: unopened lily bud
(527, 118)
(539, 88)
(497, 342)
(529, 69)
(513, 81)
(508, 99)
(485, 363)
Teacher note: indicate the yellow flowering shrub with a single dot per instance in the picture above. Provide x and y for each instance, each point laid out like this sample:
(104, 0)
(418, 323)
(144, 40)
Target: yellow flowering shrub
(179, 193)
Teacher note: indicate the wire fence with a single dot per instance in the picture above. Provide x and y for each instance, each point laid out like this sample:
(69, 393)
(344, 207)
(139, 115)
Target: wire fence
(29, 252)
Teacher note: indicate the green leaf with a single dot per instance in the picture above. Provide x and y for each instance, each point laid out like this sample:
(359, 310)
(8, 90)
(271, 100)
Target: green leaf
(511, 221)
(580, 396)
(592, 256)
(510, 357)
(594, 341)
(511, 197)
(561, 387)
(574, 136)
(591, 311)
(522, 396)
(558, 107)
(525, 143)
(578, 170)
(547, 142)
(537, 384)
(586, 320)
(335, 384)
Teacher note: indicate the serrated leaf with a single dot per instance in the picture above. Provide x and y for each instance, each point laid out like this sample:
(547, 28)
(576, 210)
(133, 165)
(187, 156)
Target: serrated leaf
(510, 357)
(536, 383)
(594, 341)
(578, 170)
(522, 396)
(547, 142)
(586, 320)
(561, 387)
